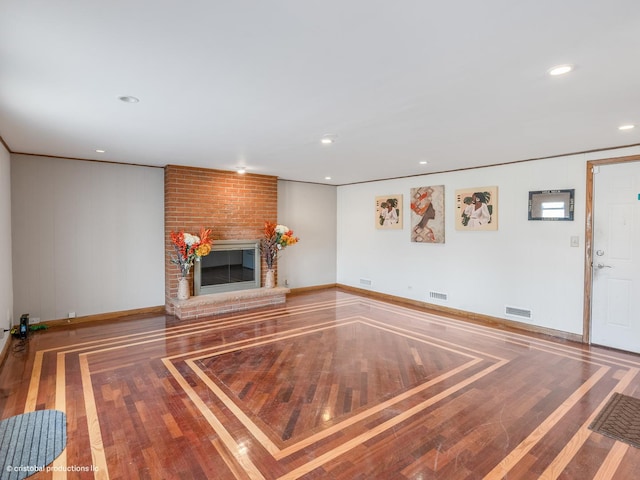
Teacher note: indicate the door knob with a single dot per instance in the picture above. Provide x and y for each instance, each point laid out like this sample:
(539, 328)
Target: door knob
(602, 265)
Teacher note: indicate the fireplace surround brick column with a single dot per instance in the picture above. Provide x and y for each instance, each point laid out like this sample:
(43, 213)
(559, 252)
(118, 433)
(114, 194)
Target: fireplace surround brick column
(234, 206)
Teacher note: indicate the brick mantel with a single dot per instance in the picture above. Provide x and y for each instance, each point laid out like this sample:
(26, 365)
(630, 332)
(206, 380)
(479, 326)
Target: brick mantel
(232, 205)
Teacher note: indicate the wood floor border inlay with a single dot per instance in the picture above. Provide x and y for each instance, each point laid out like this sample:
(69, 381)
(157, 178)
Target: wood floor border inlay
(227, 439)
(503, 468)
(516, 338)
(279, 452)
(93, 422)
(578, 440)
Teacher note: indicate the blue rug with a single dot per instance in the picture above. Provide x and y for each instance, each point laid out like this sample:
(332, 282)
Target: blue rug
(31, 441)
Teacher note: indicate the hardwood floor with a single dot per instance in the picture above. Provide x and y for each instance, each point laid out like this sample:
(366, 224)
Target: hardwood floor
(331, 386)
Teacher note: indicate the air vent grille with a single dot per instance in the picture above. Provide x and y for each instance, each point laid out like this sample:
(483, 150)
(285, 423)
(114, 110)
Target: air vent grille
(518, 312)
(438, 295)
(365, 281)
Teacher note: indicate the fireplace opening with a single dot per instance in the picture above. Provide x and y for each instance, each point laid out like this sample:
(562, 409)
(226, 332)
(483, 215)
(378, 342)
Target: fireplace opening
(231, 265)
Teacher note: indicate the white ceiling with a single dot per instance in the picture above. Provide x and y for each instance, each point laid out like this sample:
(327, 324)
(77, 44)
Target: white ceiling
(258, 83)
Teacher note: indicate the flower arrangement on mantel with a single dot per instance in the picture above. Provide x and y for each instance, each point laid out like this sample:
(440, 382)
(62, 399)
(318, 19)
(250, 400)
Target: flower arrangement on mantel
(276, 238)
(190, 248)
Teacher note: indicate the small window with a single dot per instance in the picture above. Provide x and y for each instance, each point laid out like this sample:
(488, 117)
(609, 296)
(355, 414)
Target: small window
(553, 209)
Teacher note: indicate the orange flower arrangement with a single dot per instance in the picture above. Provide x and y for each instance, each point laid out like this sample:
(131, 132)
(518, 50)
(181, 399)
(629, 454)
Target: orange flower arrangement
(276, 238)
(190, 248)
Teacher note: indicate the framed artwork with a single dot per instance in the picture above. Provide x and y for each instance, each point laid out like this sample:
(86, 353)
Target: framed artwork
(389, 212)
(427, 214)
(551, 205)
(477, 208)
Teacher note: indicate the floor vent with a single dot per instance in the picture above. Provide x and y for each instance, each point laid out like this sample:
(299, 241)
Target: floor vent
(438, 295)
(518, 312)
(365, 281)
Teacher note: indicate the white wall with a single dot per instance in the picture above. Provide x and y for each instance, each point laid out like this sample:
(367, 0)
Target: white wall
(525, 264)
(88, 237)
(6, 286)
(310, 211)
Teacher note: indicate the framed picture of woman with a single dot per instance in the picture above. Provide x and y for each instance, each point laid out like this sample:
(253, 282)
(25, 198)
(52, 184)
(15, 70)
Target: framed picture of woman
(477, 208)
(389, 212)
(427, 214)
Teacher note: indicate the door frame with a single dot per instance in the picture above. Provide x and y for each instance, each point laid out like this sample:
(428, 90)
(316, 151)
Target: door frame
(588, 237)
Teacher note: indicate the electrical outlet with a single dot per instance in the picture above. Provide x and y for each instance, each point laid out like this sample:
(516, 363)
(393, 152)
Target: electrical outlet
(33, 320)
(72, 314)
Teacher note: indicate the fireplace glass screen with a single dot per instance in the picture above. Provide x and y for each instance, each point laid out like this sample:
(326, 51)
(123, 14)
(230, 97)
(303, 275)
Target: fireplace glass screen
(228, 267)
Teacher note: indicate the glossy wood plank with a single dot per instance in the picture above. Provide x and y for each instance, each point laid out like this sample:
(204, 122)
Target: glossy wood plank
(332, 385)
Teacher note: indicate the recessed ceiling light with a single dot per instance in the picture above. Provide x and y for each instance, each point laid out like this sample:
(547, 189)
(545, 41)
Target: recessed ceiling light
(241, 170)
(100, 151)
(129, 99)
(327, 178)
(560, 70)
(423, 162)
(328, 139)
(626, 127)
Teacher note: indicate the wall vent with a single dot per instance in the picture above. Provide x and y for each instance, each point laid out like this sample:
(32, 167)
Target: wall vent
(365, 281)
(518, 312)
(438, 295)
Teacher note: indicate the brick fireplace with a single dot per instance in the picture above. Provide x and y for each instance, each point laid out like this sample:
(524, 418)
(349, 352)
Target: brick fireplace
(232, 205)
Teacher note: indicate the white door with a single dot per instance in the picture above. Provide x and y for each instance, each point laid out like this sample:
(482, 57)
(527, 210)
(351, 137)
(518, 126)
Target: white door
(615, 294)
